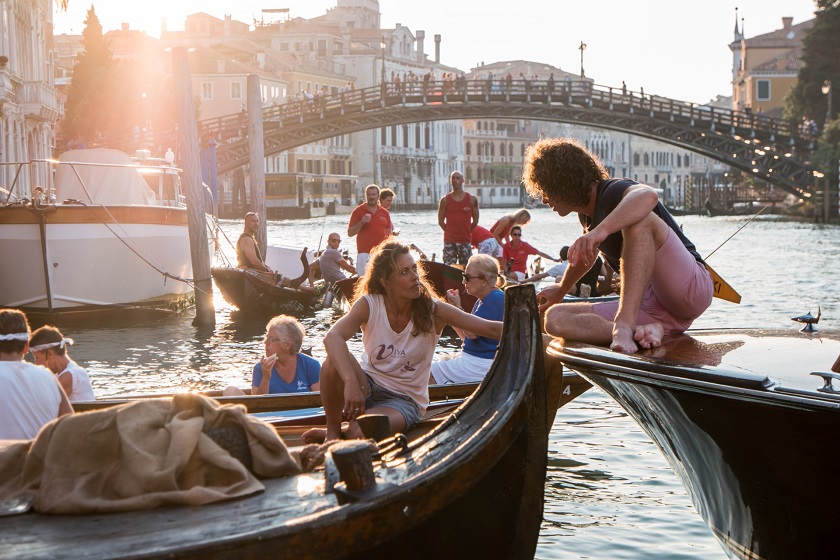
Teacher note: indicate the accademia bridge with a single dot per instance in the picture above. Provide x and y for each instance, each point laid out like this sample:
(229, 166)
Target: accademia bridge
(756, 144)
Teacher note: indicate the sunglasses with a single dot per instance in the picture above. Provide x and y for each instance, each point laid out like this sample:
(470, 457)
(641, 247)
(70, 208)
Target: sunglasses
(467, 277)
(336, 240)
(516, 235)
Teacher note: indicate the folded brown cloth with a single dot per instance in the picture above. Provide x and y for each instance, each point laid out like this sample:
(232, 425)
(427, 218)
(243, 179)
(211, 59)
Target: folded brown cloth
(139, 456)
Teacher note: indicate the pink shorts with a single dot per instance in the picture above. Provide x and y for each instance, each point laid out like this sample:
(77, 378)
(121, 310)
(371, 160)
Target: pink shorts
(680, 290)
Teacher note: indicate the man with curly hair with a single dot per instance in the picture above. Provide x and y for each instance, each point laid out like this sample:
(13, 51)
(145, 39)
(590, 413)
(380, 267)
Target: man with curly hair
(664, 282)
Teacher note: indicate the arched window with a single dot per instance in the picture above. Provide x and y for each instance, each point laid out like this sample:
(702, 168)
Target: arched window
(686, 161)
(469, 174)
(502, 149)
(647, 159)
(636, 158)
(469, 148)
(492, 149)
(479, 149)
(510, 149)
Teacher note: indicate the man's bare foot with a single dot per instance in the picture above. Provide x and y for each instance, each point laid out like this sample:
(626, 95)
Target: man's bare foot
(649, 336)
(622, 340)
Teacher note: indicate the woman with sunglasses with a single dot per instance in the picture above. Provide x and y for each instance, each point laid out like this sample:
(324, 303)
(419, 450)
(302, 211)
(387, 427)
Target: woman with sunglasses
(401, 322)
(482, 280)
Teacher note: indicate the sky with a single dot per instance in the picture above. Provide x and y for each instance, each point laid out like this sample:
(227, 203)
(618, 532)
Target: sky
(673, 48)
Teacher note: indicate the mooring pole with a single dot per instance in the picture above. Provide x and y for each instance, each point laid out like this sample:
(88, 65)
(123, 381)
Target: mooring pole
(256, 156)
(190, 163)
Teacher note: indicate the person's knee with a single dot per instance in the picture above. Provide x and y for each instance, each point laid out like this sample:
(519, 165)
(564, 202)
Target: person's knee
(555, 319)
(650, 227)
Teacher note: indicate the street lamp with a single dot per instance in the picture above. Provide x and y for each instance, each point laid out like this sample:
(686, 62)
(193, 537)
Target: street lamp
(582, 48)
(382, 46)
(826, 89)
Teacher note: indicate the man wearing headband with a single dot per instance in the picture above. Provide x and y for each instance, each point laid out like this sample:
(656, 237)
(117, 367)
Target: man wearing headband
(30, 395)
(49, 348)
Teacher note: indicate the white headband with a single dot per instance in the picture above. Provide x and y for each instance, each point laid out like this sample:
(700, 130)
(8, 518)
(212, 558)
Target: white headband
(42, 347)
(15, 336)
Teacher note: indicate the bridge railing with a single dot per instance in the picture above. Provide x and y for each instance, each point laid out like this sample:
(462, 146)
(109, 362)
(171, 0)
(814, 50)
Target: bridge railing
(572, 93)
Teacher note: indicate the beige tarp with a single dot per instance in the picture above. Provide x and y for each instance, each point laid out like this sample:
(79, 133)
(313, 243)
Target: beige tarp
(139, 456)
(106, 185)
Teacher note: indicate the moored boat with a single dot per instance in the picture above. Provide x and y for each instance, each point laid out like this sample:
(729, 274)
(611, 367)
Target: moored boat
(471, 488)
(744, 422)
(110, 235)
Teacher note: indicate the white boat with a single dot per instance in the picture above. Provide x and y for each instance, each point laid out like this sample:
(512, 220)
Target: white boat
(111, 233)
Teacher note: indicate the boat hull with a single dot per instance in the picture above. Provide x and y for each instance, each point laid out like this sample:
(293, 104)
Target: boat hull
(72, 257)
(752, 451)
(251, 294)
(472, 488)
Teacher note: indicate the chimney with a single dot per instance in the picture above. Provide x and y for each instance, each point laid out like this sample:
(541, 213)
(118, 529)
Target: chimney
(421, 37)
(162, 26)
(227, 25)
(787, 22)
(437, 49)
(124, 27)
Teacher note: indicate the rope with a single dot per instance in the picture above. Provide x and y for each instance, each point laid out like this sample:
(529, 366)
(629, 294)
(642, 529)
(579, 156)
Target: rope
(736, 232)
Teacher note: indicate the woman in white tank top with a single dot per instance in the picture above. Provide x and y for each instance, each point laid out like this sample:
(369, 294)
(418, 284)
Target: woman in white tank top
(401, 321)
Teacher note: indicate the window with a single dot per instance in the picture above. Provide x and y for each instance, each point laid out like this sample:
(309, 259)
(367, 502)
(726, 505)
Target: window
(762, 90)
(206, 91)
(236, 90)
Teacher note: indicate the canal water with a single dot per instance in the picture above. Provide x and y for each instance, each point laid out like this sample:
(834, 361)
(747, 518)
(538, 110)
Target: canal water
(609, 491)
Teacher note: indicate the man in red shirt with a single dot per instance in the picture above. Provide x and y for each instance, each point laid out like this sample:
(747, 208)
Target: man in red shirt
(519, 250)
(373, 224)
(457, 217)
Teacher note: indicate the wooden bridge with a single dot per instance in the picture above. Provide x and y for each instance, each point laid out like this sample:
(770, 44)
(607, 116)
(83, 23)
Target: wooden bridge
(759, 145)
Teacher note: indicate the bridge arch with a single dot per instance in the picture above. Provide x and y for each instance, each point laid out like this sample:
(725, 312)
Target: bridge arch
(758, 145)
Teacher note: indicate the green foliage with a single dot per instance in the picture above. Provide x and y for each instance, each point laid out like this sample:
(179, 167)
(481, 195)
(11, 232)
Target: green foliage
(821, 62)
(87, 95)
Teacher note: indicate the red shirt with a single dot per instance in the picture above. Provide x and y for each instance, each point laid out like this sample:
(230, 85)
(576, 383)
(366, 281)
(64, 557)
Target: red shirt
(375, 231)
(458, 219)
(519, 256)
(479, 234)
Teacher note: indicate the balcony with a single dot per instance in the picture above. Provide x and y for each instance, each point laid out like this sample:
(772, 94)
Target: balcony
(341, 151)
(38, 100)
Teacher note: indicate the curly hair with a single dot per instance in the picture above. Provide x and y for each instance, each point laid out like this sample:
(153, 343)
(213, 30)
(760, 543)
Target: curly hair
(561, 169)
(382, 266)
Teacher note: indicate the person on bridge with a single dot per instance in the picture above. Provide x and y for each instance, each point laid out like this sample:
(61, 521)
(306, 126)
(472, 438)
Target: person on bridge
(373, 224)
(457, 217)
(665, 285)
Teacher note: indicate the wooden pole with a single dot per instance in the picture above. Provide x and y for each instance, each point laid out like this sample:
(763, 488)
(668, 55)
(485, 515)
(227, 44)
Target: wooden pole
(256, 156)
(190, 162)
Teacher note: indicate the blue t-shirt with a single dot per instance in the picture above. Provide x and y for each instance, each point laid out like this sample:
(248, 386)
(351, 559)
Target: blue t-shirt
(492, 307)
(307, 373)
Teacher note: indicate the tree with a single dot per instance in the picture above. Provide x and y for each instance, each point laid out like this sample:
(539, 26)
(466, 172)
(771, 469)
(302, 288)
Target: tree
(87, 106)
(820, 62)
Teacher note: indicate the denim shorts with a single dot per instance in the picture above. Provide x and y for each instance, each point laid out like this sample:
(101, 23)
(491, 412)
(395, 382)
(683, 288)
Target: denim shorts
(380, 396)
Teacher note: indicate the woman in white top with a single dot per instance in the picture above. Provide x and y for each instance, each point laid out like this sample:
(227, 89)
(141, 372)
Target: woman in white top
(48, 347)
(401, 321)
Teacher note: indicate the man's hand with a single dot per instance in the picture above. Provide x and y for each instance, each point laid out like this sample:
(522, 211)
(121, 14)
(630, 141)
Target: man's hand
(585, 249)
(549, 296)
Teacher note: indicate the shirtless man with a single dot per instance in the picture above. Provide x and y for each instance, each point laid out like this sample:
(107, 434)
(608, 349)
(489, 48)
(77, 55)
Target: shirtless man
(664, 283)
(457, 217)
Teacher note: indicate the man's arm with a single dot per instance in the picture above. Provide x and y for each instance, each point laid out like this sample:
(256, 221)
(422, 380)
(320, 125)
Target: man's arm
(249, 248)
(355, 226)
(347, 266)
(637, 202)
(442, 213)
(474, 212)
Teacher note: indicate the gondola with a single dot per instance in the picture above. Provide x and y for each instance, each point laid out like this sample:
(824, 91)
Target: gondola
(260, 293)
(471, 488)
(746, 420)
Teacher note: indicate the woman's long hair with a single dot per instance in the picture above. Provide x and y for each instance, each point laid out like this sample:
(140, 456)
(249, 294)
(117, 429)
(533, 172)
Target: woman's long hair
(382, 266)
